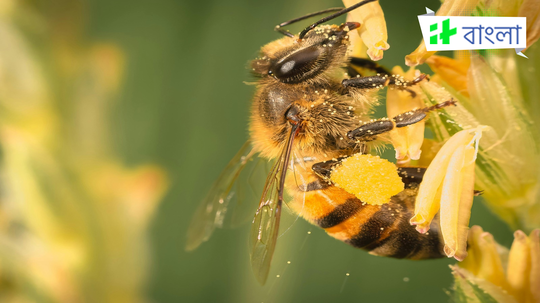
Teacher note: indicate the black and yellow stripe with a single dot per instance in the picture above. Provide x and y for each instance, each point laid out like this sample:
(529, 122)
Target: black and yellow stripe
(341, 213)
(381, 230)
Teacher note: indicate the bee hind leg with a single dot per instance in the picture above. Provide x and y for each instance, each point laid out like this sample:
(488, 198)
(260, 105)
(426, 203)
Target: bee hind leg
(324, 169)
(409, 175)
(369, 130)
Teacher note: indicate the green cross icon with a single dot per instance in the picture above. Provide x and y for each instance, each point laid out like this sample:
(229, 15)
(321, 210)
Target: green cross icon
(446, 32)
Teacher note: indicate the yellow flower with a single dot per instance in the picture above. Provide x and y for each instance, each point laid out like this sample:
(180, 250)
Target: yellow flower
(448, 8)
(491, 93)
(448, 185)
(451, 71)
(408, 140)
(531, 10)
(491, 272)
(373, 30)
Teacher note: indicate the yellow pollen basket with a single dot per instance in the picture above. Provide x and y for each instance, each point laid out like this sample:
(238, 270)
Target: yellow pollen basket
(371, 179)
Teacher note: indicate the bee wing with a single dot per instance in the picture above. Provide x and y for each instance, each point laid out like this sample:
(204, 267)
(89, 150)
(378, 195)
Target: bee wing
(246, 191)
(224, 205)
(265, 225)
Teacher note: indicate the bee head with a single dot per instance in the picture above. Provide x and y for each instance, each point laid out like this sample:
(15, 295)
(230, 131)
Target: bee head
(294, 60)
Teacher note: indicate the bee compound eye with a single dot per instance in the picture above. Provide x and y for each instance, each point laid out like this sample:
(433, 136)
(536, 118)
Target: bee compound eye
(297, 64)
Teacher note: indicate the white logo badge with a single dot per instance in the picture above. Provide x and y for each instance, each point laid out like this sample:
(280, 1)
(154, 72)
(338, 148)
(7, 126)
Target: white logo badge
(468, 33)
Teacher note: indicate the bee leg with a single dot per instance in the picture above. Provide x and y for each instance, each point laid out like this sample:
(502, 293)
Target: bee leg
(365, 64)
(381, 81)
(369, 130)
(478, 192)
(411, 176)
(324, 169)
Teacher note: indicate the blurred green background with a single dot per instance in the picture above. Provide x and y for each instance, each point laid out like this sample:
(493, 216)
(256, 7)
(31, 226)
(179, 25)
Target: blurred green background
(185, 107)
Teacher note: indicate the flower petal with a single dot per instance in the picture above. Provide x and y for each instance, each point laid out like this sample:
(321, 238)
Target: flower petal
(451, 71)
(398, 137)
(519, 263)
(357, 48)
(531, 10)
(457, 8)
(472, 262)
(490, 268)
(425, 208)
(465, 203)
(419, 55)
(450, 196)
(373, 30)
(503, 7)
(456, 201)
(408, 140)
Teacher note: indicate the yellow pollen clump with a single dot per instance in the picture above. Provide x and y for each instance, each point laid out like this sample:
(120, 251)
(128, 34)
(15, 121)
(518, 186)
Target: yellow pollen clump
(371, 179)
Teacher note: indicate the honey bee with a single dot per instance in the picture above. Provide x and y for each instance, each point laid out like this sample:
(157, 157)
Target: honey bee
(306, 115)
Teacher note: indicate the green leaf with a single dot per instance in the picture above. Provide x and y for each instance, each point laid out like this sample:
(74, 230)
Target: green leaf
(481, 295)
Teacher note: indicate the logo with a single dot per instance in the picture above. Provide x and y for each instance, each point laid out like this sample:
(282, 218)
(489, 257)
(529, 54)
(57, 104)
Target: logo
(445, 34)
(473, 33)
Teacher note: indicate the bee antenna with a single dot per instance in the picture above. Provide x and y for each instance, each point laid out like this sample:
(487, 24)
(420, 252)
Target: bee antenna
(333, 16)
(287, 33)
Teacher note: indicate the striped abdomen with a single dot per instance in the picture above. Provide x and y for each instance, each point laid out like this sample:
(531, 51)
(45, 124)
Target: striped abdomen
(381, 230)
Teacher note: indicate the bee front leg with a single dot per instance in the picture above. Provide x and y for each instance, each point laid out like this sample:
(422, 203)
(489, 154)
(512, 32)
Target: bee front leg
(368, 131)
(365, 64)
